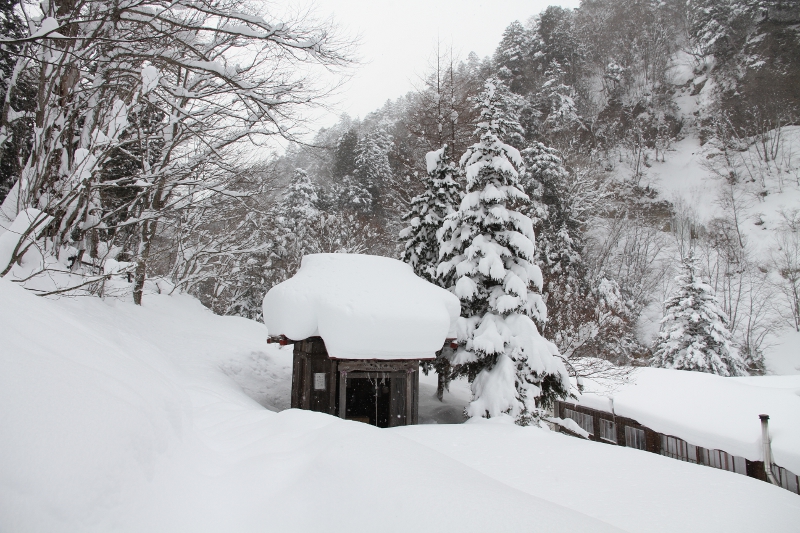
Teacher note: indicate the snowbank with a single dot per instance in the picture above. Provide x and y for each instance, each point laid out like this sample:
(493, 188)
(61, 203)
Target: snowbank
(31, 222)
(711, 411)
(115, 417)
(633, 490)
(120, 418)
(363, 307)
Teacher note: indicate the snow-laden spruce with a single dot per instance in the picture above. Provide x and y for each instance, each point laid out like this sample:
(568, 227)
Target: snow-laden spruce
(427, 213)
(487, 252)
(294, 224)
(694, 331)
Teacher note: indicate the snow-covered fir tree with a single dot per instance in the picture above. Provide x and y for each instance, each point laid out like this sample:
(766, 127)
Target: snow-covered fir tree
(295, 220)
(373, 170)
(488, 251)
(350, 195)
(302, 196)
(694, 331)
(427, 213)
(421, 237)
(559, 244)
(513, 57)
(558, 106)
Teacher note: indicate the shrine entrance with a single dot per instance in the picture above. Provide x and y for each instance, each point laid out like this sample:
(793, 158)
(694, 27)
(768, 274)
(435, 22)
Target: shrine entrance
(384, 393)
(376, 398)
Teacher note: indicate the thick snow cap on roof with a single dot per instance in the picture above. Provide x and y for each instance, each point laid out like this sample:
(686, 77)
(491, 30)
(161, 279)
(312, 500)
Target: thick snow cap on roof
(711, 411)
(363, 307)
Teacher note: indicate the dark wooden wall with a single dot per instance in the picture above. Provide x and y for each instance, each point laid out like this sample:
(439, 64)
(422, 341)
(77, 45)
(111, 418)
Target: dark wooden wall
(311, 357)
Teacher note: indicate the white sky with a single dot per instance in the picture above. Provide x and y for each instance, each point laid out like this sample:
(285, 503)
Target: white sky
(398, 39)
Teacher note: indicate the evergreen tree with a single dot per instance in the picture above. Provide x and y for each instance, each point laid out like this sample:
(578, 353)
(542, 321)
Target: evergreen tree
(488, 251)
(694, 331)
(514, 58)
(427, 213)
(295, 223)
(558, 108)
(560, 235)
(373, 171)
(15, 148)
(302, 196)
(593, 318)
(425, 218)
(349, 195)
(344, 155)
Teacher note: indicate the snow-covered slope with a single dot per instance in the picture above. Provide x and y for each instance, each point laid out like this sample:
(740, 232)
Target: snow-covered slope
(122, 418)
(765, 197)
(632, 489)
(690, 172)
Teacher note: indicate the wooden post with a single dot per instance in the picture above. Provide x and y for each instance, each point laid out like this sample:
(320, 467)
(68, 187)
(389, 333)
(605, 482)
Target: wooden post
(409, 396)
(416, 396)
(297, 364)
(332, 371)
(307, 379)
(342, 394)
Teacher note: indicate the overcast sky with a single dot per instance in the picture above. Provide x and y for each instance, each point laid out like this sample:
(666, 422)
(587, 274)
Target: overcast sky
(398, 37)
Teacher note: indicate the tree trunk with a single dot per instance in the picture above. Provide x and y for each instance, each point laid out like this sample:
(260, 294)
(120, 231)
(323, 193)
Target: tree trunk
(442, 366)
(148, 232)
(440, 386)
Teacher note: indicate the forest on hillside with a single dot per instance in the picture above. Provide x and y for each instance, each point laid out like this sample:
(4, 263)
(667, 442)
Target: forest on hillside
(149, 175)
(594, 92)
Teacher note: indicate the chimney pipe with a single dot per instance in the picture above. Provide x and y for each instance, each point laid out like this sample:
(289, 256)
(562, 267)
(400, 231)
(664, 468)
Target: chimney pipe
(767, 449)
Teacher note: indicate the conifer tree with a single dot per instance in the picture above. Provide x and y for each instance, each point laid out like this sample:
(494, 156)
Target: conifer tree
(344, 155)
(294, 225)
(694, 331)
(425, 218)
(514, 58)
(302, 196)
(427, 213)
(350, 195)
(559, 236)
(488, 251)
(373, 171)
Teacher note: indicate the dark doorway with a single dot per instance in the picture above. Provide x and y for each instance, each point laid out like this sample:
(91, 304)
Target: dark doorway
(376, 398)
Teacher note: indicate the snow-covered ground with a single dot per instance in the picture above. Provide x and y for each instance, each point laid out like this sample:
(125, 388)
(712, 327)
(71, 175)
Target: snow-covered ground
(122, 418)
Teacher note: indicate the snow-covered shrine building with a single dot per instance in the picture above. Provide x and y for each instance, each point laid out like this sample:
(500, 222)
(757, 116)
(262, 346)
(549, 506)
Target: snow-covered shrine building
(360, 326)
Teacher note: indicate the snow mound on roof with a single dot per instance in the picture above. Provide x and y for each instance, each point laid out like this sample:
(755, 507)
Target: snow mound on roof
(363, 307)
(711, 411)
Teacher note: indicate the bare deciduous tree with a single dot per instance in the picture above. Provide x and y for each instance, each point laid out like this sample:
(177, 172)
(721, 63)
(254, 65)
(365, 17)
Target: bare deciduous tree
(175, 90)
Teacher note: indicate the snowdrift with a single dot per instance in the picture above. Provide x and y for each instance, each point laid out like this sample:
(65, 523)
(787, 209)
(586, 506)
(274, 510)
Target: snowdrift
(117, 418)
(122, 418)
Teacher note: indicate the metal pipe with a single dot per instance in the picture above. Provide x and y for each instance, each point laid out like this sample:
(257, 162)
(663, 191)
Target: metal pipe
(767, 449)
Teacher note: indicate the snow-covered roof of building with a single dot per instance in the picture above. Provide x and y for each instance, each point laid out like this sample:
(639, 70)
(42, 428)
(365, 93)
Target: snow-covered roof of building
(710, 411)
(363, 307)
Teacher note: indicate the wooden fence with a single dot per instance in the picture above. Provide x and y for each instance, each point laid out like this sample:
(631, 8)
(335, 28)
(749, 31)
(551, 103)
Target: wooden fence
(621, 431)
